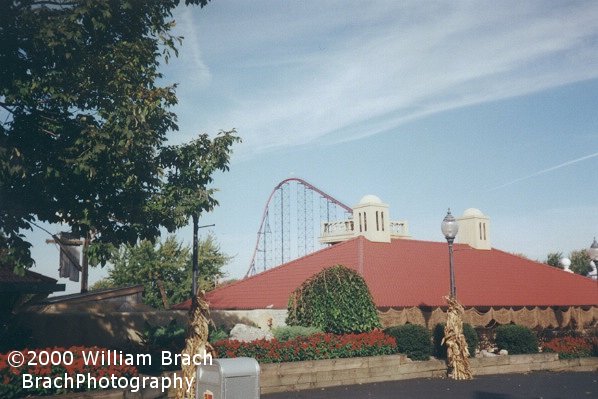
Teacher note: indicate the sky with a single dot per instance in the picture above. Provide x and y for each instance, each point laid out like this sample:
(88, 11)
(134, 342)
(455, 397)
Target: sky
(426, 104)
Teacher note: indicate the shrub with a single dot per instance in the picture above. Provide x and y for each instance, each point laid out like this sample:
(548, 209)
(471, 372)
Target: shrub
(11, 378)
(156, 339)
(516, 339)
(217, 334)
(413, 340)
(292, 332)
(314, 347)
(336, 300)
(13, 335)
(471, 336)
(569, 347)
(169, 337)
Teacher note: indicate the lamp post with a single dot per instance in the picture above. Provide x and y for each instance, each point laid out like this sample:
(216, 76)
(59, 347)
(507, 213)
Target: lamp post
(456, 345)
(195, 254)
(450, 227)
(593, 254)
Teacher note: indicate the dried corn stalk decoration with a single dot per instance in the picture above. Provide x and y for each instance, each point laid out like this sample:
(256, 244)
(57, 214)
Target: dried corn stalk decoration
(456, 346)
(196, 341)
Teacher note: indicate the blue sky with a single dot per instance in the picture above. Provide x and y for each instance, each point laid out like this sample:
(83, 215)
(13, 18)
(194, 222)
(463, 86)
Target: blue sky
(426, 104)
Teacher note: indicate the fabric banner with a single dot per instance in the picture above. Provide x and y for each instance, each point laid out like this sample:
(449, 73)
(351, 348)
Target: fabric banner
(532, 317)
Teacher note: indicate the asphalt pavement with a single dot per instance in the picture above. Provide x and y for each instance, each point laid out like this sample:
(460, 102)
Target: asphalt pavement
(539, 385)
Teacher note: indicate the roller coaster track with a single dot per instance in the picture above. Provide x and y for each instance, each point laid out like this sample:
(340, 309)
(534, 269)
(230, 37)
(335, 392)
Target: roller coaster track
(274, 238)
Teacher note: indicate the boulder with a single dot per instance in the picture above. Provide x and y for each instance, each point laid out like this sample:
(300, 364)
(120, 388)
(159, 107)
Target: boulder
(245, 333)
(485, 353)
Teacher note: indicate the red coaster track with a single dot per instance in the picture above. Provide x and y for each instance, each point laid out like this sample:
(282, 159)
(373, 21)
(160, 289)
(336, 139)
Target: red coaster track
(288, 219)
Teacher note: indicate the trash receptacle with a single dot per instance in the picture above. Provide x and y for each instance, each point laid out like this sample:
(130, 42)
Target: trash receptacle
(237, 378)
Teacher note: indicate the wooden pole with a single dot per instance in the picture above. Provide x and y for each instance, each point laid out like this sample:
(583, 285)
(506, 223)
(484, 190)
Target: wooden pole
(85, 266)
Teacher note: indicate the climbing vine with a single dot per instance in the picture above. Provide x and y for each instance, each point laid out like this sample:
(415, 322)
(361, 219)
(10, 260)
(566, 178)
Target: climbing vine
(336, 300)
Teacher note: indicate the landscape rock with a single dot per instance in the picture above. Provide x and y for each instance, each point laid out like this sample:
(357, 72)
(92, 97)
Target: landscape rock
(245, 333)
(503, 352)
(485, 353)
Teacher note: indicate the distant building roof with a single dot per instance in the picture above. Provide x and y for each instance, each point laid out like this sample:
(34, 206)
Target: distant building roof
(97, 295)
(408, 273)
(29, 282)
(123, 299)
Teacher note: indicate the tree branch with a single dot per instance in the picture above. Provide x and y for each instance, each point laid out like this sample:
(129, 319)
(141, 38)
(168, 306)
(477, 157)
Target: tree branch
(6, 107)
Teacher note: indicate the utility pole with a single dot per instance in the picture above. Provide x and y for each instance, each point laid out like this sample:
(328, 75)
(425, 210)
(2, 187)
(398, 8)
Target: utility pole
(195, 255)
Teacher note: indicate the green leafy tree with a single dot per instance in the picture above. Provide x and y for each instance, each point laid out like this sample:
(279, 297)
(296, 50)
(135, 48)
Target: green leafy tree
(165, 269)
(101, 284)
(580, 262)
(336, 300)
(553, 259)
(84, 124)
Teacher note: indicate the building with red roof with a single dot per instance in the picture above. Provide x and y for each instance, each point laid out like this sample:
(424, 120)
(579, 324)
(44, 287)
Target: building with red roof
(409, 278)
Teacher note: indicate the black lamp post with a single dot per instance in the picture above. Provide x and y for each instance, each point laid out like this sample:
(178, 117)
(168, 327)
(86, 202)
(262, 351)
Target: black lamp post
(593, 254)
(449, 228)
(195, 254)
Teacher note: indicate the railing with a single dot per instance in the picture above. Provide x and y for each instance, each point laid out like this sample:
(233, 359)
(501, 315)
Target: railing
(344, 229)
(400, 228)
(337, 231)
(337, 228)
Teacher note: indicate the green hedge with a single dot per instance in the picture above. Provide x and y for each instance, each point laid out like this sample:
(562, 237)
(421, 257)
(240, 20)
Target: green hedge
(336, 300)
(291, 332)
(413, 340)
(516, 339)
(471, 336)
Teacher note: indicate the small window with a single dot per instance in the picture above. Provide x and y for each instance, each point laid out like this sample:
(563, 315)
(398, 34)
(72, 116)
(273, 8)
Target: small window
(360, 230)
(365, 221)
(484, 231)
(377, 223)
(382, 217)
(480, 230)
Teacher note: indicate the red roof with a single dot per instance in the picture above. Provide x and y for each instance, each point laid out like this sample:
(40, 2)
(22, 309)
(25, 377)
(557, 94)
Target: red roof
(406, 273)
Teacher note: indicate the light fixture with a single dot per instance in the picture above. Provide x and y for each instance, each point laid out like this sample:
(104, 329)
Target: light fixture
(450, 227)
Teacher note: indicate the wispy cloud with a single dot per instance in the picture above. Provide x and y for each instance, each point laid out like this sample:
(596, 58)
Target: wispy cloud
(543, 171)
(191, 66)
(288, 74)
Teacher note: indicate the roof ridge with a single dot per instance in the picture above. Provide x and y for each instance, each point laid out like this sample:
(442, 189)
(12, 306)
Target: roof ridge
(541, 264)
(287, 264)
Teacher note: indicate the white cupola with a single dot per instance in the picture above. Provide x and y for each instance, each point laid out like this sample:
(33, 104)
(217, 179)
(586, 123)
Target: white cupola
(370, 218)
(474, 229)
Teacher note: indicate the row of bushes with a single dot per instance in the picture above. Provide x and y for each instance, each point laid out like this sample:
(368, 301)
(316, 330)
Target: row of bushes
(572, 347)
(313, 347)
(418, 343)
(302, 343)
(414, 340)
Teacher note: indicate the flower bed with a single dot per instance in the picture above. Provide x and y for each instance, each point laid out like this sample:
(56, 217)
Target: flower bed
(570, 347)
(314, 347)
(11, 378)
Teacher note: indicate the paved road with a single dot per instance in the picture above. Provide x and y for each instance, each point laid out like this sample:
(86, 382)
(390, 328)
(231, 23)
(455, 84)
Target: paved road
(546, 385)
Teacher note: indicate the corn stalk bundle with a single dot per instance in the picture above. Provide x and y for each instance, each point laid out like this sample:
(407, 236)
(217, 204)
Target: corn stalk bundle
(456, 346)
(196, 342)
